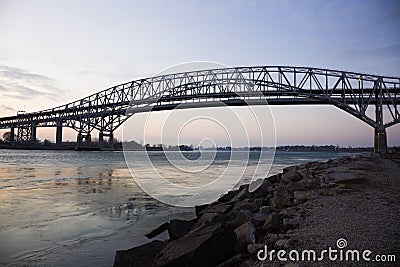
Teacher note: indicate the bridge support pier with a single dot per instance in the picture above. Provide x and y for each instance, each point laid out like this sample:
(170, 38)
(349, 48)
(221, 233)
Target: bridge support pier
(59, 135)
(111, 140)
(380, 141)
(88, 140)
(101, 139)
(79, 140)
(33, 133)
(12, 131)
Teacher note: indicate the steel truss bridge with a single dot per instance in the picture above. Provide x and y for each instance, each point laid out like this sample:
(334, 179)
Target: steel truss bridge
(373, 99)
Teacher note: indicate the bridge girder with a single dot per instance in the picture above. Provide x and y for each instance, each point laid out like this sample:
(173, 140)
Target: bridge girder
(355, 93)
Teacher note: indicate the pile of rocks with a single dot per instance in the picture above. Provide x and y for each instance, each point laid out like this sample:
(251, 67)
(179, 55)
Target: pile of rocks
(233, 229)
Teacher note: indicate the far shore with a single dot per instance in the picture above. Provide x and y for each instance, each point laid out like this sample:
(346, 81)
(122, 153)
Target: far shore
(120, 147)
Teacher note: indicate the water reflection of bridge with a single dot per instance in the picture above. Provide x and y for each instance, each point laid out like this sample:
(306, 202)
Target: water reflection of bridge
(373, 99)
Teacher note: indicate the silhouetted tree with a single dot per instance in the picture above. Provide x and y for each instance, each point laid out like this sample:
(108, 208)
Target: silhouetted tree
(7, 137)
(47, 142)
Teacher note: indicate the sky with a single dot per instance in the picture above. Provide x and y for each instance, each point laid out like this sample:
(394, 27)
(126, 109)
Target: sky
(54, 52)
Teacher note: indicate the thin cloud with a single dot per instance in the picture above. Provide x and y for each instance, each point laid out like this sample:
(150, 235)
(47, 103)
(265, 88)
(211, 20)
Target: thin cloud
(7, 108)
(19, 83)
(387, 51)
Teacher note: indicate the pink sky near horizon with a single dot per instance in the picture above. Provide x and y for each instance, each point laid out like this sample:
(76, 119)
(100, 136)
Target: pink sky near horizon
(48, 59)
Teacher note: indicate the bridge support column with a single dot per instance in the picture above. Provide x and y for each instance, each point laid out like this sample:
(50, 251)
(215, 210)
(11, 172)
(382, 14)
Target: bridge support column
(33, 133)
(380, 141)
(88, 140)
(12, 131)
(111, 140)
(79, 139)
(59, 135)
(101, 139)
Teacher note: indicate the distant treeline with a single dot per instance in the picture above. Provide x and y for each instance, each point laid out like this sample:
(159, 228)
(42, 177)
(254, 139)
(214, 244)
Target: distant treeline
(5, 142)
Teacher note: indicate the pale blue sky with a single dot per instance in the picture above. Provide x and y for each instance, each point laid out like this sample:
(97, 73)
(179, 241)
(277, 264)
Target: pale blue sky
(53, 52)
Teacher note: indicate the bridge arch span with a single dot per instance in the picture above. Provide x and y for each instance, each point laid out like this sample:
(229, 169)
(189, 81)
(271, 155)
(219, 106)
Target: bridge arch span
(373, 99)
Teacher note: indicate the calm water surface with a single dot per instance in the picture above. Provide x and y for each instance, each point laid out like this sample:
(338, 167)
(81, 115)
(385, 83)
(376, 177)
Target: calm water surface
(69, 208)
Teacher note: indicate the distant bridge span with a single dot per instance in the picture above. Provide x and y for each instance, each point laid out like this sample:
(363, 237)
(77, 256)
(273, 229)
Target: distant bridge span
(373, 99)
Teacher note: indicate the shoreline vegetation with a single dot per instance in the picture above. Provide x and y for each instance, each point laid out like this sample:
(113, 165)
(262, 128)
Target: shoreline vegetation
(308, 206)
(115, 145)
(134, 146)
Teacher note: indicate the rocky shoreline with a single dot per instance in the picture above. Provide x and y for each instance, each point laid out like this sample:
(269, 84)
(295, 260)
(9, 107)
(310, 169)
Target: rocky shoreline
(308, 206)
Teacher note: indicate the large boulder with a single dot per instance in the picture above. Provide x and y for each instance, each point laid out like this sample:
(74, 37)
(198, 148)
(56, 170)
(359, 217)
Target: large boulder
(274, 178)
(228, 196)
(243, 193)
(262, 201)
(157, 230)
(282, 197)
(245, 236)
(139, 256)
(199, 209)
(262, 190)
(290, 175)
(215, 208)
(178, 228)
(209, 218)
(260, 217)
(242, 217)
(273, 223)
(246, 204)
(208, 245)
(299, 186)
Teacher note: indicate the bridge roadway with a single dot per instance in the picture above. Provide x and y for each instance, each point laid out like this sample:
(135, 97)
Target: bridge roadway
(371, 98)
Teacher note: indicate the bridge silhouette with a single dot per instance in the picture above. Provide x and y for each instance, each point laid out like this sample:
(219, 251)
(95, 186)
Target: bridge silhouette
(374, 99)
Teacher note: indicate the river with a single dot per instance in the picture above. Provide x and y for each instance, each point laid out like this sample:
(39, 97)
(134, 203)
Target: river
(65, 208)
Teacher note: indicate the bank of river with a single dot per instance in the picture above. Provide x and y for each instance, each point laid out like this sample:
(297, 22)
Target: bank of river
(349, 203)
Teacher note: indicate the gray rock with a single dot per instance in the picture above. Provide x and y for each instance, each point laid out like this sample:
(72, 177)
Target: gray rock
(208, 217)
(208, 245)
(246, 205)
(274, 178)
(260, 217)
(245, 235)
(242, 217)
(179, 228)
(157, 230)
(273, 222)
(266, 210)
(290, 169)
(262, 190)
(199, 209)
(243, 193)
(216, 208)
(281, 197)
(262, 201)
(290, 176)
(228, 196)
(299, 186)
(139, 256)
